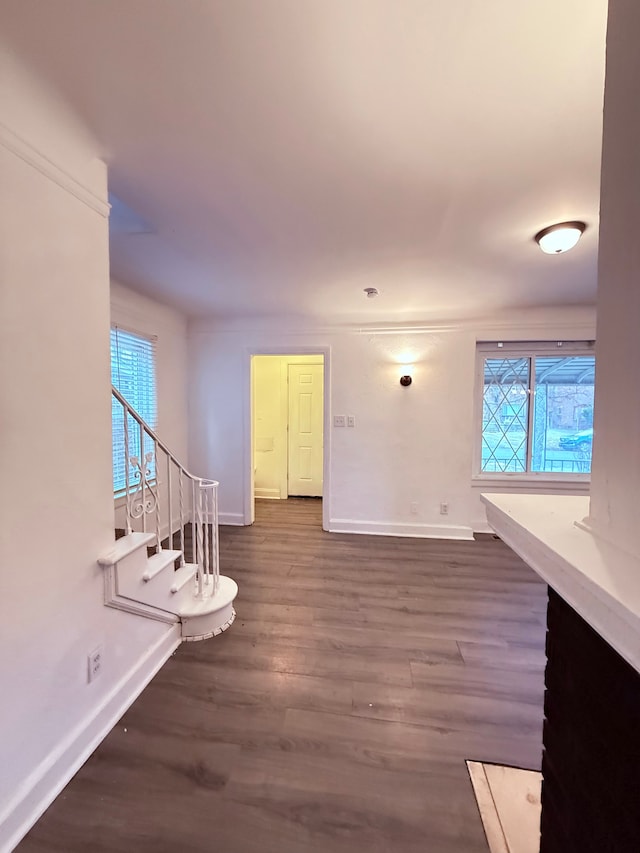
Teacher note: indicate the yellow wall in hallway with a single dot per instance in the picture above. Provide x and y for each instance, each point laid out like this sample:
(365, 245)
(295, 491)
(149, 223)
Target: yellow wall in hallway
(270, 416)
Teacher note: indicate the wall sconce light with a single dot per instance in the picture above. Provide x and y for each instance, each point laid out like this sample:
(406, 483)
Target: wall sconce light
(559, 238)
(406, 380)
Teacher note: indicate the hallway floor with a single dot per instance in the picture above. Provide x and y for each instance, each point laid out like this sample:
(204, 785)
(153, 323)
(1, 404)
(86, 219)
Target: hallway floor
(335, 716)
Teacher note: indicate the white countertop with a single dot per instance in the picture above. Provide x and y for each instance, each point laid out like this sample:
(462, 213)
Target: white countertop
(601, 582)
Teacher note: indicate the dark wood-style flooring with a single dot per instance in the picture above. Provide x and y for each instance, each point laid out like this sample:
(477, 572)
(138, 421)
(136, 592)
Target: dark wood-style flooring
(335, 715)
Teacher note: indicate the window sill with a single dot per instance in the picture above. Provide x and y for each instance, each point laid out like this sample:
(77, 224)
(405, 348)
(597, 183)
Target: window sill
(532, 482)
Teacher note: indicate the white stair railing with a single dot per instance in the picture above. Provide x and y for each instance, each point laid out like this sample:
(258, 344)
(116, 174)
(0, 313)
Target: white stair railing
(151, 500)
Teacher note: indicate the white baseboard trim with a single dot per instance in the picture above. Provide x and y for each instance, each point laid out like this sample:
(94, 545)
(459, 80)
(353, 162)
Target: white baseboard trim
(269, 494)
(42, 786)
(234, 518)
(415, 531)
(482, 526)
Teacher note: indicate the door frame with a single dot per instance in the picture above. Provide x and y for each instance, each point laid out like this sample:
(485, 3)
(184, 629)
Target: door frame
(248, 431)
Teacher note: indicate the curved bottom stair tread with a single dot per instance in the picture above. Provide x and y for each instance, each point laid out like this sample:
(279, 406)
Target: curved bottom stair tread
(205, 617)
(214, 627)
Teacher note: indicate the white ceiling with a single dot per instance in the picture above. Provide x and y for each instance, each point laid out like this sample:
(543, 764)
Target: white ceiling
(289, 153)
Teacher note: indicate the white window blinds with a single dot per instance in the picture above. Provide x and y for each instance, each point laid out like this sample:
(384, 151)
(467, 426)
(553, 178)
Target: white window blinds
(133, 374)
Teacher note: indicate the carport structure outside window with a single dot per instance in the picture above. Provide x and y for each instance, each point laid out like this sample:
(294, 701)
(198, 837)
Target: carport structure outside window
(536, 408)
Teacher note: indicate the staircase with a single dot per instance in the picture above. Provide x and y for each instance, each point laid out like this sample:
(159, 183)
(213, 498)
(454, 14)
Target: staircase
(159, 496)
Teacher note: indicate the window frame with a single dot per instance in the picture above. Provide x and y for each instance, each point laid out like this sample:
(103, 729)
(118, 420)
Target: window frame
(530, 350)
(120, 495)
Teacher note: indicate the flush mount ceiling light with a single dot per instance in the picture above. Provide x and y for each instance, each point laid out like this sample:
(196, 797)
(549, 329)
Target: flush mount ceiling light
(559, 238)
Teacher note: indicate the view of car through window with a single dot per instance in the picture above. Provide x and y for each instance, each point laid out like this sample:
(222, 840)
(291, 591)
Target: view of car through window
(582, 439)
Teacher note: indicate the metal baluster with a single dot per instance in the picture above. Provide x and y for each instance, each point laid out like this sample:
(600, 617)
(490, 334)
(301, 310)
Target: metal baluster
(207, 564)
(194, 533)
(216, 543)
(194, 550)
(142, 480)
(157, 479)
(201, 523)
(170, 502)
(180, 484)
(126, 468)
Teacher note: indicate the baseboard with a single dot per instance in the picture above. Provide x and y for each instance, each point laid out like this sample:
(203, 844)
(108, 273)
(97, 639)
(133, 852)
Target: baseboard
(415, 531)
(269, 494)
(234, 518)
(40, 788)
(481, 526)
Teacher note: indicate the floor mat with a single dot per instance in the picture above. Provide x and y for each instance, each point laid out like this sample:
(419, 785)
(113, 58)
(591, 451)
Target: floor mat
(509, 803)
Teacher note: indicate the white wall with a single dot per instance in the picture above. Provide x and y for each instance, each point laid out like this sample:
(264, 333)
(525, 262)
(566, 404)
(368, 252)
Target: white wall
(138, 313)
(616, 450)
(55, 458)
(410, 444)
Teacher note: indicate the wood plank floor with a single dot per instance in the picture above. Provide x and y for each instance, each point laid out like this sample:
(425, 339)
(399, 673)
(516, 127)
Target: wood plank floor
(336, 715)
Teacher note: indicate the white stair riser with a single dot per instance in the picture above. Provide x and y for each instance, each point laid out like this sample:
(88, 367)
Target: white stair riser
(130, 582)
(156, 592)
(185, 575)
(161, 562)
(207, 624)
(166, 593)
(132, 567)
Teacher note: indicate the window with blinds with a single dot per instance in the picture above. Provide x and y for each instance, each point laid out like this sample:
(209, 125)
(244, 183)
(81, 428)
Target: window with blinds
(133, 374)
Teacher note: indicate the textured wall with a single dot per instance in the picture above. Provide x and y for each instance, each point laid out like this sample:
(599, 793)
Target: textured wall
(616, 447)
(410, 445)
(55, 455)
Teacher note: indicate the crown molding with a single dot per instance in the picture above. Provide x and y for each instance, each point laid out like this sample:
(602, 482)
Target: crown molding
(26, 152)
(567, 324)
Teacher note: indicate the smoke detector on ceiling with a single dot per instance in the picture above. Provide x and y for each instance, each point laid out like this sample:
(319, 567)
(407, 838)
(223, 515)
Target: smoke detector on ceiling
(371, 292)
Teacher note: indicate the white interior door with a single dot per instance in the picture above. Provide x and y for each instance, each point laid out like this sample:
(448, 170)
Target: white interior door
(305, 429)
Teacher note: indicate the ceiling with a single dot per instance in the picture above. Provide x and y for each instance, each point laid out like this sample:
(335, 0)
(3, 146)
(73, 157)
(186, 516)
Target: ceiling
(282, 155)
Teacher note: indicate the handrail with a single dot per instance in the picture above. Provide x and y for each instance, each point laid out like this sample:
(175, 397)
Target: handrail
(143, 498)
(152, 434)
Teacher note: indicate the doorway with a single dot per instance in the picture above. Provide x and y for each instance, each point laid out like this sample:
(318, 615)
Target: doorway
(288, 427)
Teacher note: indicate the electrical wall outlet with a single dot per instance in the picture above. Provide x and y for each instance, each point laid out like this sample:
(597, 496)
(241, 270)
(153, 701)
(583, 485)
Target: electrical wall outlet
(339, 420)
(444, 508)
(413, 507)
(94, 661)
(351, 420)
